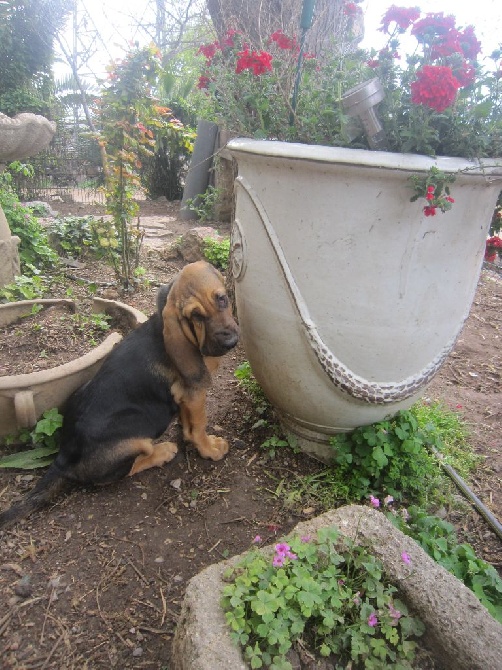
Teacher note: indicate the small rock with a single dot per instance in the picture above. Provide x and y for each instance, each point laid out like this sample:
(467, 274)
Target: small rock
(138, 651)
(191, 245)
(23, 588)
(110, 294)
(175, 483)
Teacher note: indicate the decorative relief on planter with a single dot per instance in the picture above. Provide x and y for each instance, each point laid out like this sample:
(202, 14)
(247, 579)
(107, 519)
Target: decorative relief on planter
(238, 254)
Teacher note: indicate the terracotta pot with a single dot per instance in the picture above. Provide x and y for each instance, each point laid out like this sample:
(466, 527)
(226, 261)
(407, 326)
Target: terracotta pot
(349, 298)
(24, 398)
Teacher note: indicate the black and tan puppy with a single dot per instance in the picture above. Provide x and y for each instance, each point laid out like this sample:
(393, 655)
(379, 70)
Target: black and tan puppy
(158, 371)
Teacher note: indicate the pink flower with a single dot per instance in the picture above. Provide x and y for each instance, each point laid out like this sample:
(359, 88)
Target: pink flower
(405, 558)
(282, 548)
(395, 614)
(278, 560)
(282, 552)
(374, 501)
(429, 210)
(372, 620)
(257, 540)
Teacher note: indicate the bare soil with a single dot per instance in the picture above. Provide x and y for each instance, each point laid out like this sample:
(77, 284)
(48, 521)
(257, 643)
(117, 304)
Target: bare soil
(96, 581)
(51, 337)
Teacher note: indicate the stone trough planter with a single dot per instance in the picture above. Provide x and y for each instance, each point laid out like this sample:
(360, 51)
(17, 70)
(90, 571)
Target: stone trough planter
(459, 630)
(24, 398)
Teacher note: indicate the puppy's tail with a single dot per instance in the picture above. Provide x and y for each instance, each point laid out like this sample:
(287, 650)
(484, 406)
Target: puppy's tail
(46, 490)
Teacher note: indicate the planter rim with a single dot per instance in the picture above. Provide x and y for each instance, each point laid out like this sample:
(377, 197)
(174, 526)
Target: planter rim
(364, 157)
(30, 379)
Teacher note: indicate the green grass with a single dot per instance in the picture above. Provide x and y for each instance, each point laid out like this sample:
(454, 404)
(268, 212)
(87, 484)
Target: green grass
(391, 458)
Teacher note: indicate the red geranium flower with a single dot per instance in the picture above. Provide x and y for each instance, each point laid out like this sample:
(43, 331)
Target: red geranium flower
(228, 40)
(466, 74)
(209, 50)
(203, 82)
(403, 17)
(283, 41)
(432, 26)
(258, 61)
(447, 44)
(351, 9)
(494, 241)
(471, 46)
(430, 210)
(492, 245)
(435, 87)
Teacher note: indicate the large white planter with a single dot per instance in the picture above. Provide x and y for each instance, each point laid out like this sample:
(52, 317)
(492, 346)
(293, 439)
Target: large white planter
(349, 298)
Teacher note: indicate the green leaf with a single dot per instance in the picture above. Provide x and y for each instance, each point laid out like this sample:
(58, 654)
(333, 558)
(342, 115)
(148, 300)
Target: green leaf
(29, 460)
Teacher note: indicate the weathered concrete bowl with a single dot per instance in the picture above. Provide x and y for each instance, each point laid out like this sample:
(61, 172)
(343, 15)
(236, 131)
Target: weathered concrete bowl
(24, 398)
(460, 632)
(24, 135)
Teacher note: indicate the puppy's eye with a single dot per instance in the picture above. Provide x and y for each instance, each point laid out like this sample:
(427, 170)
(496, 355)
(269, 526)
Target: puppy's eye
(197, 316)
(222, 301)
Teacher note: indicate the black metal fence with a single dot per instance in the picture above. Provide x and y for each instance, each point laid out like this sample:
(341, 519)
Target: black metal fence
(69, 170)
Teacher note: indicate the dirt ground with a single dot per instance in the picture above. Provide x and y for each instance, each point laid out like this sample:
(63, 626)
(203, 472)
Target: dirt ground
(96, 581)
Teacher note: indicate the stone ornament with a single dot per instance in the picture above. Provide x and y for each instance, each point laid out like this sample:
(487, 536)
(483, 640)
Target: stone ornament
(24, 135)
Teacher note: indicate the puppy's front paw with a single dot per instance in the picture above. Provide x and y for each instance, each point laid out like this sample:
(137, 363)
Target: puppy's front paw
(164, 452)
(213, 447)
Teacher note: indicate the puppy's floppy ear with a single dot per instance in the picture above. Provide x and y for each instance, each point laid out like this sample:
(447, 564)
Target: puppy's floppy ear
(181, 347)
(162, 294)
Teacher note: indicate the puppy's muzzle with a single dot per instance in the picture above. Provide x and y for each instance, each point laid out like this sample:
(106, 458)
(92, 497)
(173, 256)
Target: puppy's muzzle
(222, 341)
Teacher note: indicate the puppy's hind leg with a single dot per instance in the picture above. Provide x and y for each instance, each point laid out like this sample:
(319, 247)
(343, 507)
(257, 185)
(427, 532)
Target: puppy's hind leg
(153, 455)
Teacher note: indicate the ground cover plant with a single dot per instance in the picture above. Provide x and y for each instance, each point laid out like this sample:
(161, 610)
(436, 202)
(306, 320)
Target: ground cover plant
(438, 538)
(327, 592)
(390, 464)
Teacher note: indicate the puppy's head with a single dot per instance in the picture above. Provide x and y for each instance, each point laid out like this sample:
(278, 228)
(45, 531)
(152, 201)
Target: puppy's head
(198, 300)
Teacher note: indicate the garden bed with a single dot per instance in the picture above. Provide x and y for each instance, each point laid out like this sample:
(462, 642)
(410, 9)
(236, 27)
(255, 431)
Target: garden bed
(459, 632)
(98, 579)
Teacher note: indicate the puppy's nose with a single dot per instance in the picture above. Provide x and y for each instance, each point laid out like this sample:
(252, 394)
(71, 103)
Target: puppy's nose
(229, 338)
